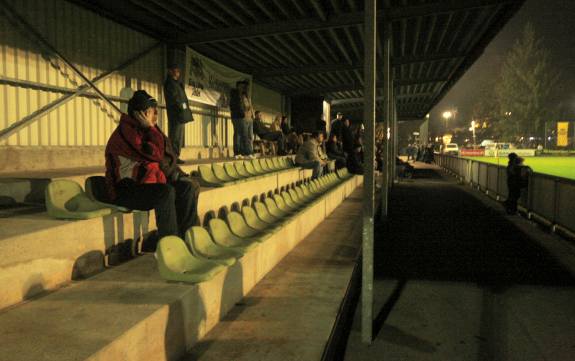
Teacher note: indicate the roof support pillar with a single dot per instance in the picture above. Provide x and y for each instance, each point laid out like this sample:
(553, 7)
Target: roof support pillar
(369, 108)
(386, 169)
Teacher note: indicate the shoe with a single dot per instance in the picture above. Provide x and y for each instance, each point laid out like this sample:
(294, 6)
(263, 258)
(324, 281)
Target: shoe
(252, 156)
(179, 161)
(237, 156)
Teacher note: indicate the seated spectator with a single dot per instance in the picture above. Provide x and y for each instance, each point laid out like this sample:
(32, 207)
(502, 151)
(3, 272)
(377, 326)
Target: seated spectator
(335, 151)
(276, 124)
(265, 133)
(292, 142)
(142, 173)
(308, 155)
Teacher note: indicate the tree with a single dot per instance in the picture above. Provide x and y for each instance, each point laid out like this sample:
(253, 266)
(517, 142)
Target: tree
(525, 91)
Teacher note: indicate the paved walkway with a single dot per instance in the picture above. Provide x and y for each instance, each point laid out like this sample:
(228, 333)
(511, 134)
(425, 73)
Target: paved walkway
(456, 280)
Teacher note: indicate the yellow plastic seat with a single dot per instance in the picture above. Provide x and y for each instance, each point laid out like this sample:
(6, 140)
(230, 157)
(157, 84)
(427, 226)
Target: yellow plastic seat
(264, 165)
(250, 168)
(176, 263)
(65, 199)
(265, 215)
(252, 220)
(284, 206)
(203, 246)
(257, 166)
(293, 204)
(274, 210)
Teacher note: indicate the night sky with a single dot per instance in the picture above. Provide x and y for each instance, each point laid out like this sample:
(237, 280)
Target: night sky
(554, 20)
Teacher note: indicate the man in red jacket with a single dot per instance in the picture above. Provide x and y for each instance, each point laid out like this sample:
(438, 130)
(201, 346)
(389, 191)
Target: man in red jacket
(141, 170)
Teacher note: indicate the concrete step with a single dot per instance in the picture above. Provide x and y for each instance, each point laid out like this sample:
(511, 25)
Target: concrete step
(129, 313)
(40, 253)
(18, 160)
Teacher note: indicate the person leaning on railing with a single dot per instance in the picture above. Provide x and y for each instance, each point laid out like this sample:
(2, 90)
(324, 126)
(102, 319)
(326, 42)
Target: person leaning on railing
(517, 179)
(141, 170)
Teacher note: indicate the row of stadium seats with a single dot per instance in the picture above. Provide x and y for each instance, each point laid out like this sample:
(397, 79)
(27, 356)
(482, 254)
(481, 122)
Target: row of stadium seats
(204, 254)
(217, 175)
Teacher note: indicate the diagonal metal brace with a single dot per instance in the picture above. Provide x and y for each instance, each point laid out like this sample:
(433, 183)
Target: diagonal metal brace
(29, 119)
(18, 21)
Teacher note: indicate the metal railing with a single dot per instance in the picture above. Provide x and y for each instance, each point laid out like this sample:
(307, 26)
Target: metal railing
(548, 199)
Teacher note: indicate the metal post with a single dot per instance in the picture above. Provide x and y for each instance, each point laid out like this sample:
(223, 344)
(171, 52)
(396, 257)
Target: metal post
(386, 171)
(395, 137)
(369, 74)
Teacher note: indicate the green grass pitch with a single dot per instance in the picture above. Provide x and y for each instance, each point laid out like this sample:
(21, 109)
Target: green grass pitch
(556, 166)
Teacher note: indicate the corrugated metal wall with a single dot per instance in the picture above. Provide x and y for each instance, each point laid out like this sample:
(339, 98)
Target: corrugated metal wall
(95, 45)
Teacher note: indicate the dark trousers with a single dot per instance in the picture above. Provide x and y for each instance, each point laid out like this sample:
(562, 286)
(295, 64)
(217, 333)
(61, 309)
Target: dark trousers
(315, 165)
(237, 124)
(512, 198)
(176, 135)
(275, 137)
(340, 160)
(175, 204)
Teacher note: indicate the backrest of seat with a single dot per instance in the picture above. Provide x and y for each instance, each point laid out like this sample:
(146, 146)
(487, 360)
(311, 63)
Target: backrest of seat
(263, 165)
(231, 170)
(207, 174)
(270, 163)
(172, 254)
(257, 166)
(250, 216)
(219, 229)
(60, 192)
(97, 189)
(261, 210)
(241, 169)
(250, 168)
(198, 239)
(236, 222)
(271, 204)
(220, 173)
(280, 201)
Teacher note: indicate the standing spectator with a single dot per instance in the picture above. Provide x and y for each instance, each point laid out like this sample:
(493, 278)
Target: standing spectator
(308, 156)
(335, 151)
(285, 128)
(142, 171)
(517, 179)
(337, 126)
(178, 108)
(293, 141)
(265, 133)
(242, 120)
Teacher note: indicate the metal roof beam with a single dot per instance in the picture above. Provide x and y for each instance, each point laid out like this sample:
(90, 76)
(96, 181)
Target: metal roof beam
(333, 21)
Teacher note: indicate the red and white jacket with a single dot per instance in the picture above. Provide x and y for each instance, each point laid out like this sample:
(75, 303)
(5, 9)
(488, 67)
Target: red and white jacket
(134, 152)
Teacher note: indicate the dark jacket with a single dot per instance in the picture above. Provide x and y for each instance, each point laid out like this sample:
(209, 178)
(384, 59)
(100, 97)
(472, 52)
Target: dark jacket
(347, 139)
(176, 99)
(143, 155)
(285, 128)
(236, 105)
(260, 128)
(333, 149)
(337, 126)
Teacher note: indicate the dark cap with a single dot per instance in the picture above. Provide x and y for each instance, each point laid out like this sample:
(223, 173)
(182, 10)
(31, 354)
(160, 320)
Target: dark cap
(512, 156)
(173, 66)
(141, 100)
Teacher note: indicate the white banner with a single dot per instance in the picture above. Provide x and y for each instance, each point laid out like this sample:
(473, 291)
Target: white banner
(209, 82)
(506, 152)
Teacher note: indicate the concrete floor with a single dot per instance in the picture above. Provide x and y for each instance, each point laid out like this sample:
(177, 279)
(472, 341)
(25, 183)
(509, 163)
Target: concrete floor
(456, 279)
(290, 314)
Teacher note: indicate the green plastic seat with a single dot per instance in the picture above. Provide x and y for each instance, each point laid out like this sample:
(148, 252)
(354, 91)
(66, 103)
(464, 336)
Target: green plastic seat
(249, 165)
(231, 171)
(265, 215)
(203, 246)
(257, 166)
(222, 235)
(241, 169)
(65, 199)
(291, 202)
(264, 165)
(221, 174)
(208, 178)
(272, 164)
(95, 188)
(296, 197)
(274, 210)
(240, 228)
(304, 193)
(284, 206)
(278, 163)
(252, 220)
(176, 263)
